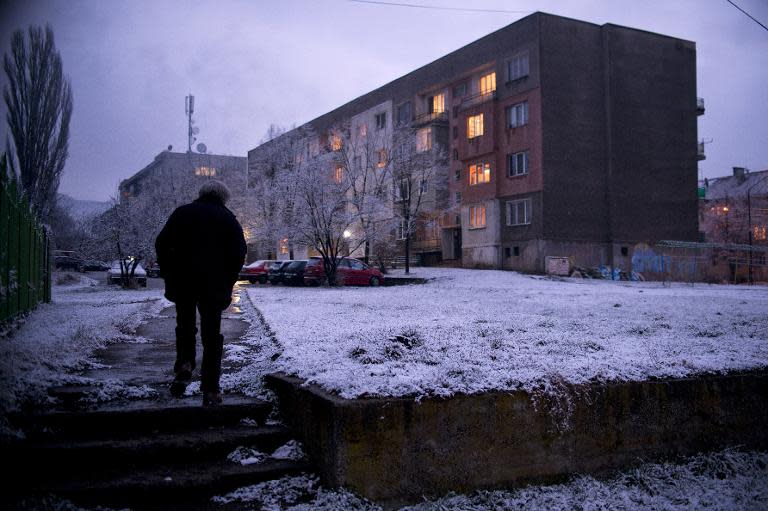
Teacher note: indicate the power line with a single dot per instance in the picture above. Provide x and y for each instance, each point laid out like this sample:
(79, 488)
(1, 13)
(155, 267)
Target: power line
(437, 8)
(749, 15)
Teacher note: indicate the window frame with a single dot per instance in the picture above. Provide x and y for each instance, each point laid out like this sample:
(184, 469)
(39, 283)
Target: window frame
(473, 217)
(381, 120)
(407, 109)
(517, 60)
(475, 126)
(479, 173)
(528, 212)
(512, 163)
(425, 145)
(484, 87)
(523, 106)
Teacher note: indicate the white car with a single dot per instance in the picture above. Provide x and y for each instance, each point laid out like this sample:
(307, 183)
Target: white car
(114, 276)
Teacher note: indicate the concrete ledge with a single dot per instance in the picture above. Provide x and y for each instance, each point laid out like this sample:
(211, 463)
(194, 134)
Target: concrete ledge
(396, 450)
(403, 281)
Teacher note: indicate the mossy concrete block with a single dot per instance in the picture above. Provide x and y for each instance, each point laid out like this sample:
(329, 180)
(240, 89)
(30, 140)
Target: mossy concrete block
(397, 450)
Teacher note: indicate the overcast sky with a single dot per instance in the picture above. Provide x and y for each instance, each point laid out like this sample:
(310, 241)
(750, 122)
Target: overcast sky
(253, 63)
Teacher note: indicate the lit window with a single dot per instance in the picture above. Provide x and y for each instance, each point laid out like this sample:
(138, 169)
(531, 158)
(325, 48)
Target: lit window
(436, 104)
(284, 246)
(381, 121)
(517, 163)
(517, 67)
(488, 83)
(335, 143)
(517, 115)
(424, 140)
(759, 232)
(205, 171)
(382, 162)
(476, 217)
(475, 126)
(479, 172)
(362, 130)
(519, 212)
(338, 174)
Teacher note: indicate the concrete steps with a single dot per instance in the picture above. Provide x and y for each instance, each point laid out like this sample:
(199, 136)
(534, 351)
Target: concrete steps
(145, 456)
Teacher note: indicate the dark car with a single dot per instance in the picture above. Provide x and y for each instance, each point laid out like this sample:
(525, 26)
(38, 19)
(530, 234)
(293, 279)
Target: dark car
(63, 262)
(293, 274)
(256, 271)
(94, 265)
(275, 274)
(349, 271)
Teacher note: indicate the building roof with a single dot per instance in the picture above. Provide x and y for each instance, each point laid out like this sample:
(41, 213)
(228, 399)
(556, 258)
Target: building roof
(193, 158)
(736, 185)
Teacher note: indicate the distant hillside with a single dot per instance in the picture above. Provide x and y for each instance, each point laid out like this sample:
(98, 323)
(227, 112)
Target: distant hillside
(81, 209)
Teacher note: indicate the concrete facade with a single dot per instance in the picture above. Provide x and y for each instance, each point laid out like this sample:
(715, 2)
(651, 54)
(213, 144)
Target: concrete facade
(603, 117)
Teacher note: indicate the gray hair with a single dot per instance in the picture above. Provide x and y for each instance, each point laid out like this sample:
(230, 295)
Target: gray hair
(217, 189)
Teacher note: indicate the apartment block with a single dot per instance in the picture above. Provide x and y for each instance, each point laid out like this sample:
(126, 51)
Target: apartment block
(563, 138)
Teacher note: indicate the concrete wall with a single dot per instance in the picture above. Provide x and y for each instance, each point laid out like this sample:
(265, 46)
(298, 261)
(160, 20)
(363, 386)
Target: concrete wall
(397, 450)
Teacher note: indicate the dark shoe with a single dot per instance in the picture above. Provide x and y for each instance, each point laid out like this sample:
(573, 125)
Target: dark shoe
(182, 379)
(211, 399)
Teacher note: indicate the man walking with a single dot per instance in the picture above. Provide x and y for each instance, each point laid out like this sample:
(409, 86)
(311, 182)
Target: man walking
(200, 252)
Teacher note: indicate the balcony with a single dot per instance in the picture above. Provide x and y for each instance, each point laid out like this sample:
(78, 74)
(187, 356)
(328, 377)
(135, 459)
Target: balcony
(700, 106)
(477, 99)
(700, 155)
(431, 118)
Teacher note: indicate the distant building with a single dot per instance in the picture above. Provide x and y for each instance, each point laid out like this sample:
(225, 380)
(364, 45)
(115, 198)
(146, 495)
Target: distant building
(565, 138)
(181, 170)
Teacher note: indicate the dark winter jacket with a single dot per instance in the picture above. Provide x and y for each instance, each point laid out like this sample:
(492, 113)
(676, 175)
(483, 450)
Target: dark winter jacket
(200, 252)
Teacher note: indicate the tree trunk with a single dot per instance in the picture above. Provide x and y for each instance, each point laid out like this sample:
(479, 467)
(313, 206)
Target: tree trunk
(408, 254)
(367, 252)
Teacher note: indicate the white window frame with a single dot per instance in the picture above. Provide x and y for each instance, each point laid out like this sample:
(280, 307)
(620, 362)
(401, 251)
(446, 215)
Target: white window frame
(517, 114)
(518, 66)
(513, 212)
(424, 140)
(473, 216)
(487, 83)
(401, 230)
(381, 120)
(513, 163)
(475, 126)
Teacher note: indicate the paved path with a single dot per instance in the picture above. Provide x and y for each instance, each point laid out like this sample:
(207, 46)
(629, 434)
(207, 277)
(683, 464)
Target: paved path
(151, 363)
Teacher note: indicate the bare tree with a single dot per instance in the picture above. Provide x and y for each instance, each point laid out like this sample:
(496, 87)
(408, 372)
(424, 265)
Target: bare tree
(39, 101)
(417, 165)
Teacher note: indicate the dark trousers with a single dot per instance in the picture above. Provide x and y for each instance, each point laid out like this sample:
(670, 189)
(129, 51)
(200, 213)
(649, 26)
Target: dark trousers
(210, 333)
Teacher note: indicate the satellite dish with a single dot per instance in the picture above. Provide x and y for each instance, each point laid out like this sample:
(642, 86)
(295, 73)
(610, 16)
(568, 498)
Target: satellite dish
(195, 130)
(201, 148)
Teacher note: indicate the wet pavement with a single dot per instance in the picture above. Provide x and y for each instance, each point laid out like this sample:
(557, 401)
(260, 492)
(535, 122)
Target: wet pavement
(151, 363)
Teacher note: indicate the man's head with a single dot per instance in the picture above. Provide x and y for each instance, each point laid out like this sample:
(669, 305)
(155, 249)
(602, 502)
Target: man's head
(215, 190)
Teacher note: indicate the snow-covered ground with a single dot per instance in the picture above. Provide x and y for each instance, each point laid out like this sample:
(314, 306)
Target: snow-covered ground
(725, 480)
(60, 338)
(472, 331)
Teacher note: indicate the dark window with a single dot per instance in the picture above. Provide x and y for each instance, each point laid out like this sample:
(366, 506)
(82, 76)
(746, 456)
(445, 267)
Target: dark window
(517, 67)
(381, 121)
(455, 112)
(455, 132)
(517, 163)
(457, 175)
(517, 115)
(507, 251)
(625, 251)
(460, 90)
(455, 154)
(403, 113)
(517, 251)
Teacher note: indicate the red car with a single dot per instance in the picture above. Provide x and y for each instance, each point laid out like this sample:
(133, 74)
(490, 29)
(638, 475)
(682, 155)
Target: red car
(350, 271)
(256, 271)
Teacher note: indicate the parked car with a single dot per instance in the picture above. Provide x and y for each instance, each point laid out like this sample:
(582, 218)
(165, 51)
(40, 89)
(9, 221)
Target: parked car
(153, 270)
(94, 265)
(349, 271)
(114, 275)
(275, 273)
(66, 262)
(293, 274)
(256, 271)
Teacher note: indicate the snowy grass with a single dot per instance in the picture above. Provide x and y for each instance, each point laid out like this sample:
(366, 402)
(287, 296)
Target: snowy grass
(473, 331)
(60, 338)
(724, 480)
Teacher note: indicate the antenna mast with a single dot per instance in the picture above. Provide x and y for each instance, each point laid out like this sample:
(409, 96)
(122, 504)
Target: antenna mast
(189, 108)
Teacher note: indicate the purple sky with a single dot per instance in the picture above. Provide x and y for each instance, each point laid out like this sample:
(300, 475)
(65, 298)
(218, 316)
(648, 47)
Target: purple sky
(252, 63)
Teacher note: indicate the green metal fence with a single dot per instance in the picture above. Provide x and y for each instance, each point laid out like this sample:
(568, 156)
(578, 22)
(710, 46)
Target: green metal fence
(25, 276)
